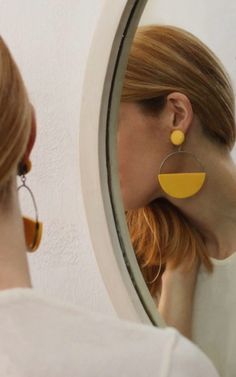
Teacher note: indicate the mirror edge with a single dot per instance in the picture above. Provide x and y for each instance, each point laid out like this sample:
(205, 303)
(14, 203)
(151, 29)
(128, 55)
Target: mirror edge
(92, 155)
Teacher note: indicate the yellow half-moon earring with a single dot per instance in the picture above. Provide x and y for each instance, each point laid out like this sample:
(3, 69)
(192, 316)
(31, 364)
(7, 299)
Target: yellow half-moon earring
(181, 185)
(33, 228)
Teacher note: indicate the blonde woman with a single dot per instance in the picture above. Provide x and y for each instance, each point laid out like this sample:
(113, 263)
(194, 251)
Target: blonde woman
(40, 337)
(178, 182)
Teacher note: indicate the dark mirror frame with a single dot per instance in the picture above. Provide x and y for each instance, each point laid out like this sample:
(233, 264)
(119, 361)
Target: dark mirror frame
(127, 28)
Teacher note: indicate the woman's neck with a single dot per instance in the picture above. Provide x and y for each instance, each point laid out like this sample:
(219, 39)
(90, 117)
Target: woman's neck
(213, 209)
(14, 271)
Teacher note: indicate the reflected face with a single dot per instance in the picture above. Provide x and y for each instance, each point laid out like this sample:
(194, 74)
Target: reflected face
(141, 147)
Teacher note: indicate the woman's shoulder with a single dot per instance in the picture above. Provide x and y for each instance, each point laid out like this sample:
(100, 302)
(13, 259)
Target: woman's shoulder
(31, 311)
(42, 337)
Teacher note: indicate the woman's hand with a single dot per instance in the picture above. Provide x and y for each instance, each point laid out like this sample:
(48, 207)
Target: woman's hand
(176, 299)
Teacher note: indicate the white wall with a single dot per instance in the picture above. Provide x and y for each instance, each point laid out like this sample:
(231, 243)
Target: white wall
(213, 21)
(50, 41)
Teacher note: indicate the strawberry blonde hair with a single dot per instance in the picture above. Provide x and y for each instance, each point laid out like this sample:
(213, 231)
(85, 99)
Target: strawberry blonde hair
(162, 60)
(15, 121)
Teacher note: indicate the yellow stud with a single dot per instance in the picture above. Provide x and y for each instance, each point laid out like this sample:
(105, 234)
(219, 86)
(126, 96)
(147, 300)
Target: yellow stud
(28, 166)
(177, 137)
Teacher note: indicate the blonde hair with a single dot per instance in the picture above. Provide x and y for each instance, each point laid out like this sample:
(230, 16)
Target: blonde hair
(165, 59)
(15, 120)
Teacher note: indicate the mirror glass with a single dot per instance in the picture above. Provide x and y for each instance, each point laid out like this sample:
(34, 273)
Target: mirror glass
(173, 186)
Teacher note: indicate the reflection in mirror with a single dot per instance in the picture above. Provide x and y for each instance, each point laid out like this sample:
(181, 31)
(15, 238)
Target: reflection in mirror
(176, 131)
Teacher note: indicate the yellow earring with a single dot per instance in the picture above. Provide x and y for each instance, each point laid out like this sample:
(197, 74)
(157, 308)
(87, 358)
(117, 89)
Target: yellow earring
(177, 137)
(181, 185)
(33, 233)
(33, 228)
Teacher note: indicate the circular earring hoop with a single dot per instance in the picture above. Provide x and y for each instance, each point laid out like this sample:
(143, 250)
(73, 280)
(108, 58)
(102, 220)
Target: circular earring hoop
(33, 229)
(160, 258)
(181, 185)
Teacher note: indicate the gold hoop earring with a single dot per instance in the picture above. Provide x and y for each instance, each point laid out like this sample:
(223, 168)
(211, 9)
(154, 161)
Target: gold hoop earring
(33, 228)
(159, 252)
(158, 272)
(181, 185)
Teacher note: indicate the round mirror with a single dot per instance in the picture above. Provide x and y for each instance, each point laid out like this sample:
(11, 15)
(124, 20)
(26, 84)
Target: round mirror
(180, 243)
(98, 165)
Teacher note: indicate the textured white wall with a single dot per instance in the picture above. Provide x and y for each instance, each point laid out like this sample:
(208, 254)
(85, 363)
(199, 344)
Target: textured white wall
(50, 41)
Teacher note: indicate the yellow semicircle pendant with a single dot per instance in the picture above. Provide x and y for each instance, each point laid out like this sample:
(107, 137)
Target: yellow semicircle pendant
(182, 185)
(33, 233)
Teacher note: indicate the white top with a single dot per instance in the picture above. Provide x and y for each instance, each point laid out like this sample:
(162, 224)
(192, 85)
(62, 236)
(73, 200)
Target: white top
(214, 314)
(40, 337)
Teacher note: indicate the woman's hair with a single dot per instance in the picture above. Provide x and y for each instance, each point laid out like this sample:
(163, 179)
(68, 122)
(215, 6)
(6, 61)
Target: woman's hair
(163, 60)
(15, 121)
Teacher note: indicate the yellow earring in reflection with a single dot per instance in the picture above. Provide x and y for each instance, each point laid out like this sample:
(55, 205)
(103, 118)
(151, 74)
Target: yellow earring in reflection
(33, 228)
(181, 185)
(177, 137)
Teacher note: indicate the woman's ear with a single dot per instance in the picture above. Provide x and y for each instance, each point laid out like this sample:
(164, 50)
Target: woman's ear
(32, 137)
(182, 111)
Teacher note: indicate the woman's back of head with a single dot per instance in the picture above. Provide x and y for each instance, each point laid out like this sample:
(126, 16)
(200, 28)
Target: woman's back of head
(15, 121)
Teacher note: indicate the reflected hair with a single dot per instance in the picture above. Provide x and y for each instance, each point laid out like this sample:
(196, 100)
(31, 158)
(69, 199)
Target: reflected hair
(162, 60)
(15, 121)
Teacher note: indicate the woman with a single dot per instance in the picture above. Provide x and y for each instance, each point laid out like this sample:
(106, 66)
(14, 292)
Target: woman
(41, 337)
(178, 182)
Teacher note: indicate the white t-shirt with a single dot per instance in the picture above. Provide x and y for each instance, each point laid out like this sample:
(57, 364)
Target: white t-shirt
(40, 337)
(214, 314)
